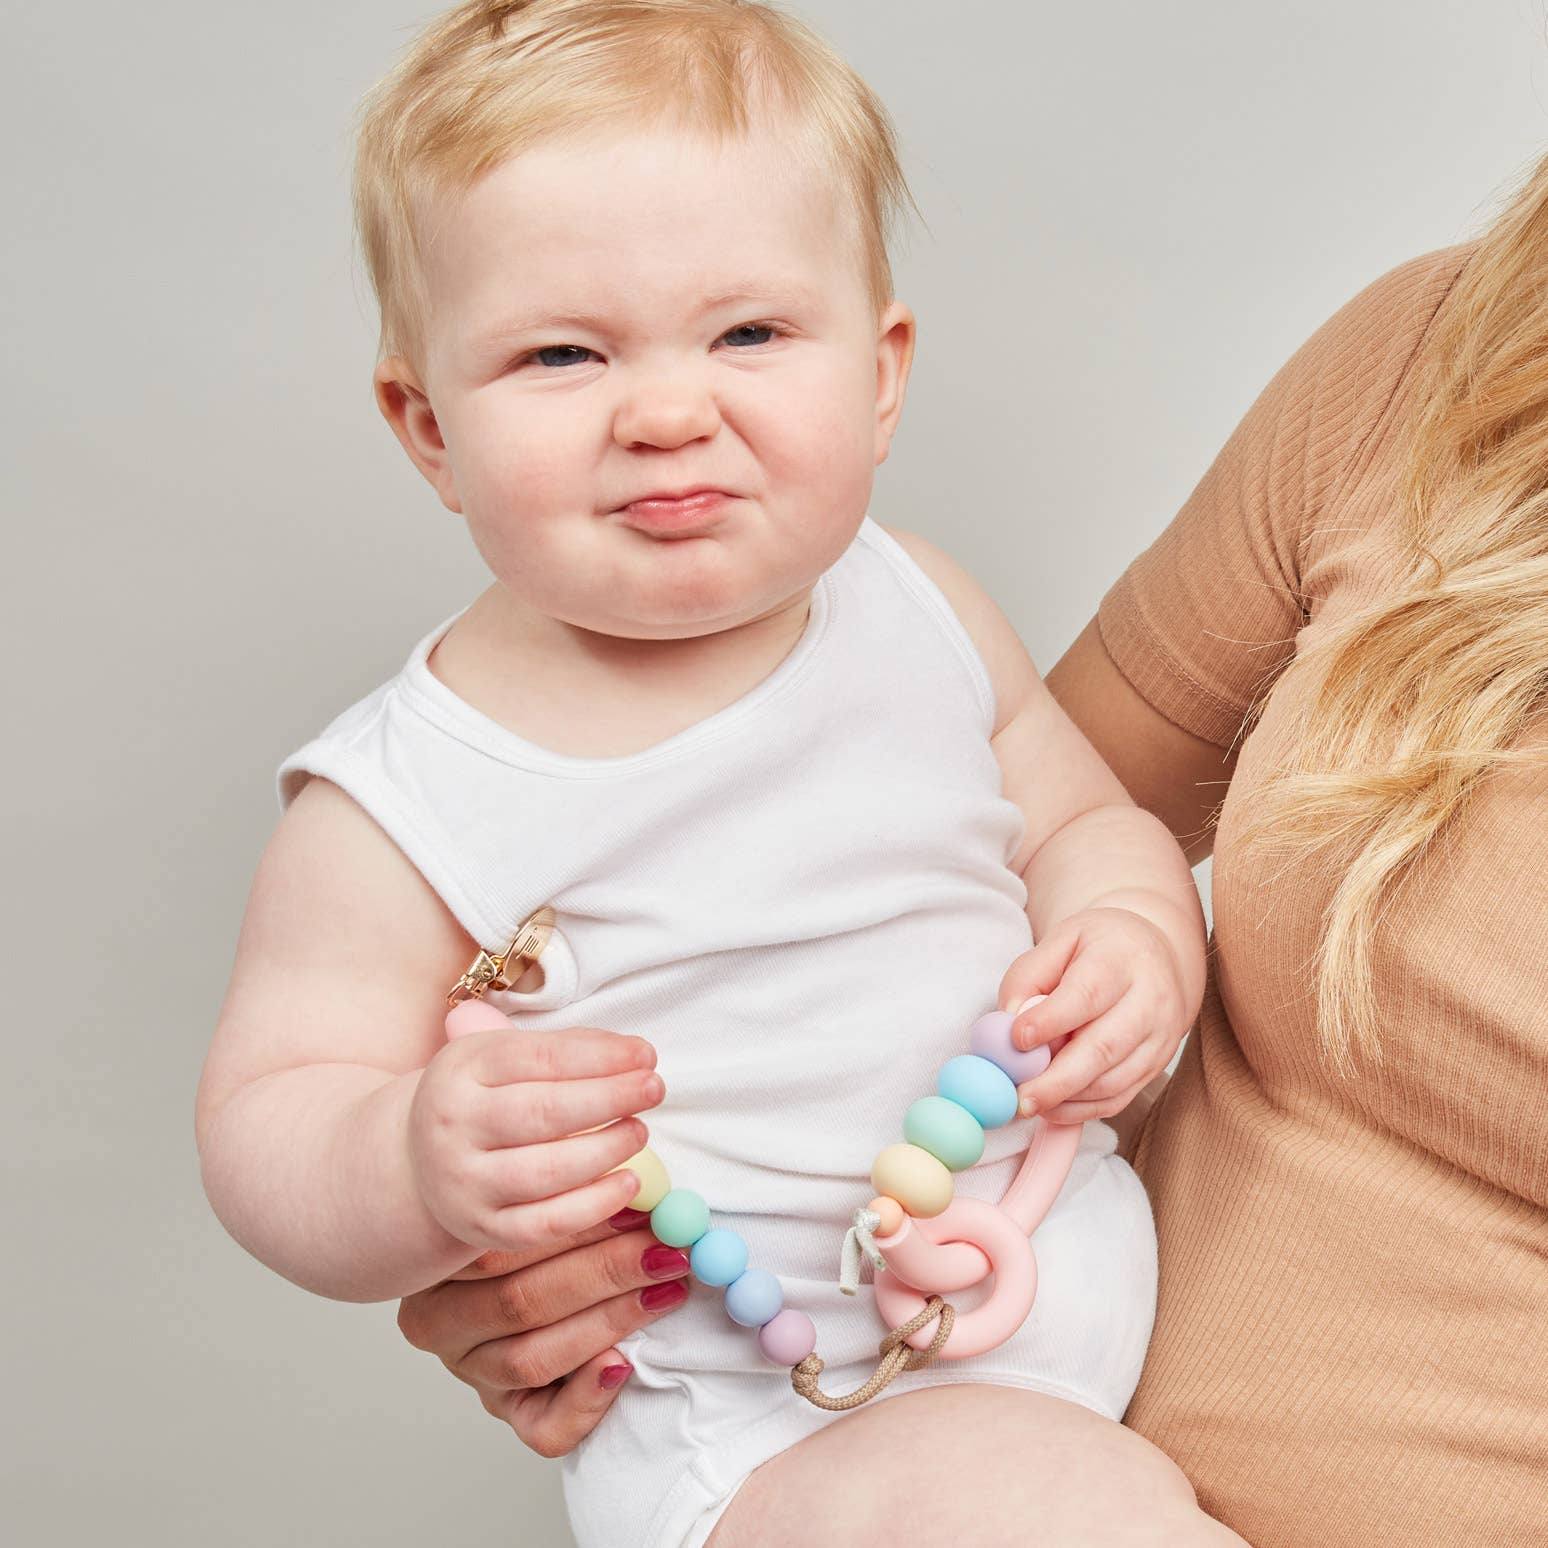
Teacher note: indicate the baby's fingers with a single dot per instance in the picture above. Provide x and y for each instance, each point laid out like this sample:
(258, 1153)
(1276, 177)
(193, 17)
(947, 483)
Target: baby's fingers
(1091, 1112)
(1038, 970)
(497, 1264)
(520, 1228)
(577, 1053)
(528, 1112)
(1100, 1046)
(1110, 1092)
(1093, 983)
(522, 1174)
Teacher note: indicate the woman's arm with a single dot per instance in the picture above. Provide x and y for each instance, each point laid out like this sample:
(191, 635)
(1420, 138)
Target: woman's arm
(1173, 774)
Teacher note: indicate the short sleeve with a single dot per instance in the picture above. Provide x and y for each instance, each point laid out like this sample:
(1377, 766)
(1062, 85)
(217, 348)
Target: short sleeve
(1205, 619)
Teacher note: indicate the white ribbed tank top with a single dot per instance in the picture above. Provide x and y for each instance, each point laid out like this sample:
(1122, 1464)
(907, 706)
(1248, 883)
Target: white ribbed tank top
(803, 901)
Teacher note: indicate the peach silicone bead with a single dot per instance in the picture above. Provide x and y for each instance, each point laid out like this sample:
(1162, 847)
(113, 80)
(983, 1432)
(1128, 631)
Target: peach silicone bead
(915, 1178)
(787, 1337)
(891, 1213)
(654, 1182)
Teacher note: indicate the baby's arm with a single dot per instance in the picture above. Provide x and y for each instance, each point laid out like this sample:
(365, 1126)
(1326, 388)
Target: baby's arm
(343, 1141)
(1110, 896)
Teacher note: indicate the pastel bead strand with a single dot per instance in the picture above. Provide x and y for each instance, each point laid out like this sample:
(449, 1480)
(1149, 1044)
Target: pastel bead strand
(943, 1134)
(754, 1298)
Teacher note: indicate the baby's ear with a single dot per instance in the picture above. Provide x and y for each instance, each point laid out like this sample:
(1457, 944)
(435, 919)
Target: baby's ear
(894, 357)
(406, 407)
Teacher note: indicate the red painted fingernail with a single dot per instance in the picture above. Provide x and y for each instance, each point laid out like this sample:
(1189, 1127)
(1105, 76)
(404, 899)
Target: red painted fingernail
(614, 1376)
(659, 1297)
(664, 1262)
(628, 1219)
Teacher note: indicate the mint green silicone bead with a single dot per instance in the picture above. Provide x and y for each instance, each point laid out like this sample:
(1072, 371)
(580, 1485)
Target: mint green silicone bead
(680, 1219)
(946, 1129)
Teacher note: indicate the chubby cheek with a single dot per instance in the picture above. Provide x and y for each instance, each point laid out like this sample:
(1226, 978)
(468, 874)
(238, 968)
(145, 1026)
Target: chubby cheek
(515, 485)
(820, 447)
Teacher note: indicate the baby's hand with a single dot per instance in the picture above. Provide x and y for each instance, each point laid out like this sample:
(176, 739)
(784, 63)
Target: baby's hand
(1113, 980)
(494, 1133)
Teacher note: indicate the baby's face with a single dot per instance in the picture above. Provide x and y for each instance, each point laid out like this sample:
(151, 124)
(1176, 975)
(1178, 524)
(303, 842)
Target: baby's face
(620, 322)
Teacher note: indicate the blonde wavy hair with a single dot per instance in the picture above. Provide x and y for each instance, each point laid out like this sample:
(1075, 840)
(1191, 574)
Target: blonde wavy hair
(489, 79)
(1423, 695)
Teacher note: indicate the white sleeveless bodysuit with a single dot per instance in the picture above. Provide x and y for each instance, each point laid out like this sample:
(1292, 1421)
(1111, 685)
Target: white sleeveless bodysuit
(803, 901)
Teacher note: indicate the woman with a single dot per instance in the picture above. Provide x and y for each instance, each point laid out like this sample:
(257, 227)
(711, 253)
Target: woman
(1344, 633)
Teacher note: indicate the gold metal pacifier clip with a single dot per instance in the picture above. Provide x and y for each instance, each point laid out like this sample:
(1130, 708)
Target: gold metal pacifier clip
(502, 970)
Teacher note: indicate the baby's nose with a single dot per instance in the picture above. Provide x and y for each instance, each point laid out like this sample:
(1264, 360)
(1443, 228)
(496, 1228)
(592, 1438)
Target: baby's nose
(665, 412)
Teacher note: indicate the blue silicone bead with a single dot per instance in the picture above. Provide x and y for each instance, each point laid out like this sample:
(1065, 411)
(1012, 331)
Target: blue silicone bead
(754, 1298)
(680, 1219)
(946, 1129)
(980, 1086)
(718, 1257)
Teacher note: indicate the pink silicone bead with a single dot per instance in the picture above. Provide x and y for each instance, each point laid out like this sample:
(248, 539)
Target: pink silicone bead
(787, 1337)
(990, 1039)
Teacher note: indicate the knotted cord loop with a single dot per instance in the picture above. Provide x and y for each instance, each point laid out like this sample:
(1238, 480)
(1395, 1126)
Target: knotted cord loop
(857, 1239)
(896, 1355)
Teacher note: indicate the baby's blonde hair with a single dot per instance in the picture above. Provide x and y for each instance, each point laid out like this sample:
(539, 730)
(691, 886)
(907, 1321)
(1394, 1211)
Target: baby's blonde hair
(493, 77)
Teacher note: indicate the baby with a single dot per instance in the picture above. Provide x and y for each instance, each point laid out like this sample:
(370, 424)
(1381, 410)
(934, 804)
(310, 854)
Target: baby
(794, 791)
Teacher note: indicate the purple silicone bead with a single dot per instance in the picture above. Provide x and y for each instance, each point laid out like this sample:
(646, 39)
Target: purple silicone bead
(788, 1337)
(990, 1039)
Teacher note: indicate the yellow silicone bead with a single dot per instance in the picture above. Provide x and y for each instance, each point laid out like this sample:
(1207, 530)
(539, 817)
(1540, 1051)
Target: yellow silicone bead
(654, 1182)
(915, 1178)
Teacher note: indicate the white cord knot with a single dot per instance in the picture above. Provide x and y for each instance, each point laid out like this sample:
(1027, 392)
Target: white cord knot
(860, 1236)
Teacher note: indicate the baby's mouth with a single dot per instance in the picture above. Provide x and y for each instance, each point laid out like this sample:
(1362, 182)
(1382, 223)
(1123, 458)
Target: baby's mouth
(687, 515)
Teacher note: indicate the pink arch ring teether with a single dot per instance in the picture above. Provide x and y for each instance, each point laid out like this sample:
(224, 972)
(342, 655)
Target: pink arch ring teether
(970, 1240)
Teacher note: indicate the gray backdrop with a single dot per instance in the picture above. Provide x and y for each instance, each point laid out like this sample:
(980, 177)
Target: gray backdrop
(1135, 212)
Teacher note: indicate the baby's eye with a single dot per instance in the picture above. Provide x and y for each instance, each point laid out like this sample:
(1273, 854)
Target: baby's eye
(561, 354)
(749, 333)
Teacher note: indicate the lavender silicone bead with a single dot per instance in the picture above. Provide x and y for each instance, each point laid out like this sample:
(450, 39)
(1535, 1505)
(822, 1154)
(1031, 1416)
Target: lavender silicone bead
(788, 1337)
(754, 1298)
(990, 1039)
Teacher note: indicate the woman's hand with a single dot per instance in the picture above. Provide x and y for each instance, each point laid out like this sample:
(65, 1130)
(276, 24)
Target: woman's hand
(1112, 979)
(531, 1332)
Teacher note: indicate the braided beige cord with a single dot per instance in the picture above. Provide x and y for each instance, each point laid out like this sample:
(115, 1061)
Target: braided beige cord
(896, 1355)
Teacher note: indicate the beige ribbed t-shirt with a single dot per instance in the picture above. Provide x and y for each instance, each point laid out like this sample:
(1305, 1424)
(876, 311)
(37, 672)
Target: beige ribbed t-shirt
(1351, 1346)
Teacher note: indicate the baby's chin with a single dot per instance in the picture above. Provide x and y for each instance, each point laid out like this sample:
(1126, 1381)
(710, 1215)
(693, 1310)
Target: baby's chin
(675, 623)
(692, 607)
